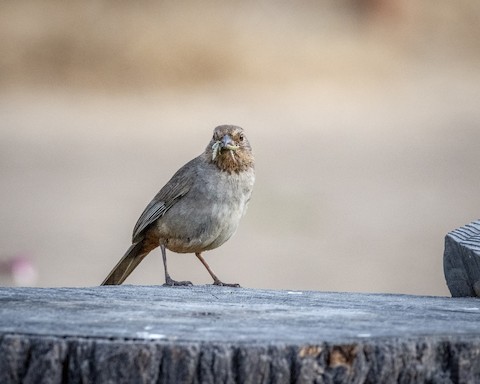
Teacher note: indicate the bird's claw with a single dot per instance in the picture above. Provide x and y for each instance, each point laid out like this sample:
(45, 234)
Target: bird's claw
(222, 284)
(174, 283)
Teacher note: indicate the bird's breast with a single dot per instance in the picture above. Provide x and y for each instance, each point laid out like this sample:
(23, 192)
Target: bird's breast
(209, 214)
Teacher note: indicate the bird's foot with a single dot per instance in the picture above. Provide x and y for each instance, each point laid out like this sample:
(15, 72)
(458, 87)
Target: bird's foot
(169, 282)
(222, 284)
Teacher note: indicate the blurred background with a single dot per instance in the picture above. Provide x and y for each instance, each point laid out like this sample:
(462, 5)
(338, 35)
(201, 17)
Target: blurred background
(364, 116)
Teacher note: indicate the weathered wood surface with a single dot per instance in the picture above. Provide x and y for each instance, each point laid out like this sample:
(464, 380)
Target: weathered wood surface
(461, 260)
(204, 334)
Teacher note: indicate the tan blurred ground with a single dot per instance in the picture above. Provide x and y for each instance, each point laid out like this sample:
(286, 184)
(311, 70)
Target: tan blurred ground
(363, 115)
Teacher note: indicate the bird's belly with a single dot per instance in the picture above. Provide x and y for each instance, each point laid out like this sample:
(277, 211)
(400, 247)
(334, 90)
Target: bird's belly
(208, 215)
(190, 232)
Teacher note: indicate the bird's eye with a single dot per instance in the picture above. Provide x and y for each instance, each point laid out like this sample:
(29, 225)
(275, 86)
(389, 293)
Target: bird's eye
(241, 137)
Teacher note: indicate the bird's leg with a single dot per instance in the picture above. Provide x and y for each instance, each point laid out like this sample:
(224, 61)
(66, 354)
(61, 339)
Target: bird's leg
(168, 280)
(216, 280)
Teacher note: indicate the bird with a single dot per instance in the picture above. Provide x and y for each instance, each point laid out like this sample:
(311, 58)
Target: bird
(198, 209)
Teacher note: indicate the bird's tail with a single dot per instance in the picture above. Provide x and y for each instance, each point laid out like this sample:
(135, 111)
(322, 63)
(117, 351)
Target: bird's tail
(126, 265)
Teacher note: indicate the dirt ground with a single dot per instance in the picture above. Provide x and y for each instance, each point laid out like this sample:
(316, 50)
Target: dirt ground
(362, 168)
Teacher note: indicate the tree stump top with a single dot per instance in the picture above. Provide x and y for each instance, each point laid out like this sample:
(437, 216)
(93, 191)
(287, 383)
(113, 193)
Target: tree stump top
(218, 314)
(204, 334)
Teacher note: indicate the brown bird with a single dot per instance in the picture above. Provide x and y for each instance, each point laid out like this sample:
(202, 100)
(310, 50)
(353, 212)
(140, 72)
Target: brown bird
(199, 209)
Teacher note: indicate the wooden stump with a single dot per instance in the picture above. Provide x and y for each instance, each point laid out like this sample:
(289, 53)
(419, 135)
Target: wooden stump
(461, 260)
(205, 334)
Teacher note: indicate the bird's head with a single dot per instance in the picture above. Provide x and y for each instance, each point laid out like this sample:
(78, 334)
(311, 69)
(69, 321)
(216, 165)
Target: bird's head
(229, 149)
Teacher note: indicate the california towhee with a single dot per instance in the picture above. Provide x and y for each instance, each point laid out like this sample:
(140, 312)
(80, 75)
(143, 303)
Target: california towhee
(198, 209)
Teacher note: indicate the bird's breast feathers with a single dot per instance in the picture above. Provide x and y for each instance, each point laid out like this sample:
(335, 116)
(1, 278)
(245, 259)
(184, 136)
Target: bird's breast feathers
(219, 202)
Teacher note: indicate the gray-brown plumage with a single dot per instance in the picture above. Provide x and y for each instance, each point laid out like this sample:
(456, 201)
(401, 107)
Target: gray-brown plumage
(198, 209)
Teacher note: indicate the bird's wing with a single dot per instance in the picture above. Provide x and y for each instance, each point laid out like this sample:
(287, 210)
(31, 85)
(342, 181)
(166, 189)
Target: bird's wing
(178, 186)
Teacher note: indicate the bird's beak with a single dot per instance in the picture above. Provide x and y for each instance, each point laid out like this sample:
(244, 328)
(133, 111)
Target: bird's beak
(228, 143)
(225, 143)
